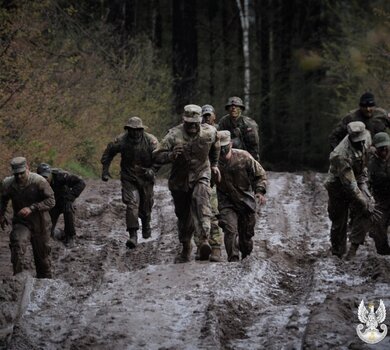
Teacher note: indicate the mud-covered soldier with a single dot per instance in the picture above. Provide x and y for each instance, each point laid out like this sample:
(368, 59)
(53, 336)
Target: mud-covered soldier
(67, 187)
(347, 186)
(32, 198)
(193, 150)
(215, 238)
(379, 175)
(244, 130)
(374, 118)
(137, 175)
(242, 188)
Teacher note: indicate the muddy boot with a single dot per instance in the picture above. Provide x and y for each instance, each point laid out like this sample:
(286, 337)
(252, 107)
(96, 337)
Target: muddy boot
(185, 253)
(352, 251)
(215, 254)
(146, 230)
(197, 254)
(132, 242)
(204, 250)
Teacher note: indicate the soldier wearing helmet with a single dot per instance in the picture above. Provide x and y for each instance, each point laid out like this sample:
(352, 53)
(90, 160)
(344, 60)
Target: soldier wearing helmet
(244, 130)
(375, 119)
(67, 187)
(137, 175)
(193, 150)
(347, 186)
(379, 175)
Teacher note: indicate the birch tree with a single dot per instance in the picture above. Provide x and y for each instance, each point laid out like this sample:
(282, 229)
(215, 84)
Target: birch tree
(243, 8)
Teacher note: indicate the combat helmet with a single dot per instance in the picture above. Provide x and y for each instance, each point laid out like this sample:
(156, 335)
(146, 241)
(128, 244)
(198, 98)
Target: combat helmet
(235, 101)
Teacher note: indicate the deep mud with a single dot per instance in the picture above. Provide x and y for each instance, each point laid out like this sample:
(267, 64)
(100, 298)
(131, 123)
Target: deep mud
(289, 294)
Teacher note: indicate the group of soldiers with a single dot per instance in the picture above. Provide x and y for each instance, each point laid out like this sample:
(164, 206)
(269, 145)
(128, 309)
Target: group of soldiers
(358, 183)
(216, 181)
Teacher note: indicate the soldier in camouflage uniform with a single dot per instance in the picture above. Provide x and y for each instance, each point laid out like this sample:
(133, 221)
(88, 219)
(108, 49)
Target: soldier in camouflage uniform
(347, 186)
(243, 183)
(67, 187)
(32, 198)
(193, 149)
(215, 239)
(137, 175)
(374, 118)
(244, 130)
(379, 175)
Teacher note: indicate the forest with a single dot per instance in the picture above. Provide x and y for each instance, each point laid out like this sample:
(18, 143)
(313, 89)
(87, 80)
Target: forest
(73, 71)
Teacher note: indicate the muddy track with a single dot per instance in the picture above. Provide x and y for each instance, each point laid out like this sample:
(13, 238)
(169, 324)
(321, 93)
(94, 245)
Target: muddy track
(289, 294)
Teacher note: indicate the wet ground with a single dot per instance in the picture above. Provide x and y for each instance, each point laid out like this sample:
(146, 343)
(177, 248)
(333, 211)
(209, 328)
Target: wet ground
(289, 294)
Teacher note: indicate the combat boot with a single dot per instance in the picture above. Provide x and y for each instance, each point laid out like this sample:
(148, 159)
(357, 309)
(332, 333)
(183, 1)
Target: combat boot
(197, 254)
(146, 230)
(185, 253)
(133, 241)
(352, 251)
(215, 254)
(204, 250)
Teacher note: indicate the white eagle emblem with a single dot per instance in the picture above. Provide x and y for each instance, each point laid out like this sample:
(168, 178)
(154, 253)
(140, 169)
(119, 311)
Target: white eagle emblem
(372, 319)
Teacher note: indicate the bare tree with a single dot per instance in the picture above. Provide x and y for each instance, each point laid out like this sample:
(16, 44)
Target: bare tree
(244, 18)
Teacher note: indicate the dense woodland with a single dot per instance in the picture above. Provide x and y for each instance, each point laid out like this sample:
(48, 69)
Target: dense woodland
(72, 72)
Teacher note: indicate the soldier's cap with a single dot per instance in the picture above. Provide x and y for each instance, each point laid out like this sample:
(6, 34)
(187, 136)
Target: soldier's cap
(234, 100)
(44, 170)
(357, 131)
(367, 100)
(224, 137)
(207, 109)
(192, 114)
(381, 139)
(135, 123)
(18, 165)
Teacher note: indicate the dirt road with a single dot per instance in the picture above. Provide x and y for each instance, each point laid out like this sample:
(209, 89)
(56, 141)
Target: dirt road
(289, 294)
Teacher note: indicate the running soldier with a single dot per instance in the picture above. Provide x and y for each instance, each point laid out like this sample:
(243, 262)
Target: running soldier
(137, 175)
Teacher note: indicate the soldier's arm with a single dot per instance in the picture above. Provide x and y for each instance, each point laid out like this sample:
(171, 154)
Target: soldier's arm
(215, 149)
(75, 184)
(258, 176)
(153, 142)
(163, 154)
(112, 149)
(48, 200)
(4, 199)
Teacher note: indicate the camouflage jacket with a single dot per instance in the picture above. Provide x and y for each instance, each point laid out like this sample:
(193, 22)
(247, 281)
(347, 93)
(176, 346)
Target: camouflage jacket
(200, 152)
(37, 195)
(377, 123)
(135, 158)
(379, 175)
(66, 186)
(348, 171)
(241, 177)
(244, 133)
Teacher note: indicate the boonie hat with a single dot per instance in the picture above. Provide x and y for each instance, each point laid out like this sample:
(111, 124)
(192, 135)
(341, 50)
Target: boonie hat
(357, 131)
(224, 137)
(18, 165)
(207, 109)
(192, 114)
(134, 123)
(381, 139)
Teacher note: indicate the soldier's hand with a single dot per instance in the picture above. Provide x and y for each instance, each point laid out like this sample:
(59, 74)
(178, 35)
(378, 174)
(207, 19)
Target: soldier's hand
(149, 174)
(105, 176)
(376, 216)
(216, 174)
(177, 151)
(24, 212)
(3, 222)
(260, 198)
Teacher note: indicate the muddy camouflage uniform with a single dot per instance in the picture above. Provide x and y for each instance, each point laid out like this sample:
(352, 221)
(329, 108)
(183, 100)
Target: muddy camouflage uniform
(244, 130)
(379, 174)
(137, 177)
(241, 177)
(189, 181)
(347, 186)
(67, 187)
(39, 197)
(377, 123)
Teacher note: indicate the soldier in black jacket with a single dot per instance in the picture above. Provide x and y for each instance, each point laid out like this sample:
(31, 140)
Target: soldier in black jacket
(67, 187)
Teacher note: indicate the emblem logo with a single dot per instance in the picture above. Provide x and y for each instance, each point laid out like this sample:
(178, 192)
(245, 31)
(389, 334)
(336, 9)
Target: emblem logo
(372, 319)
